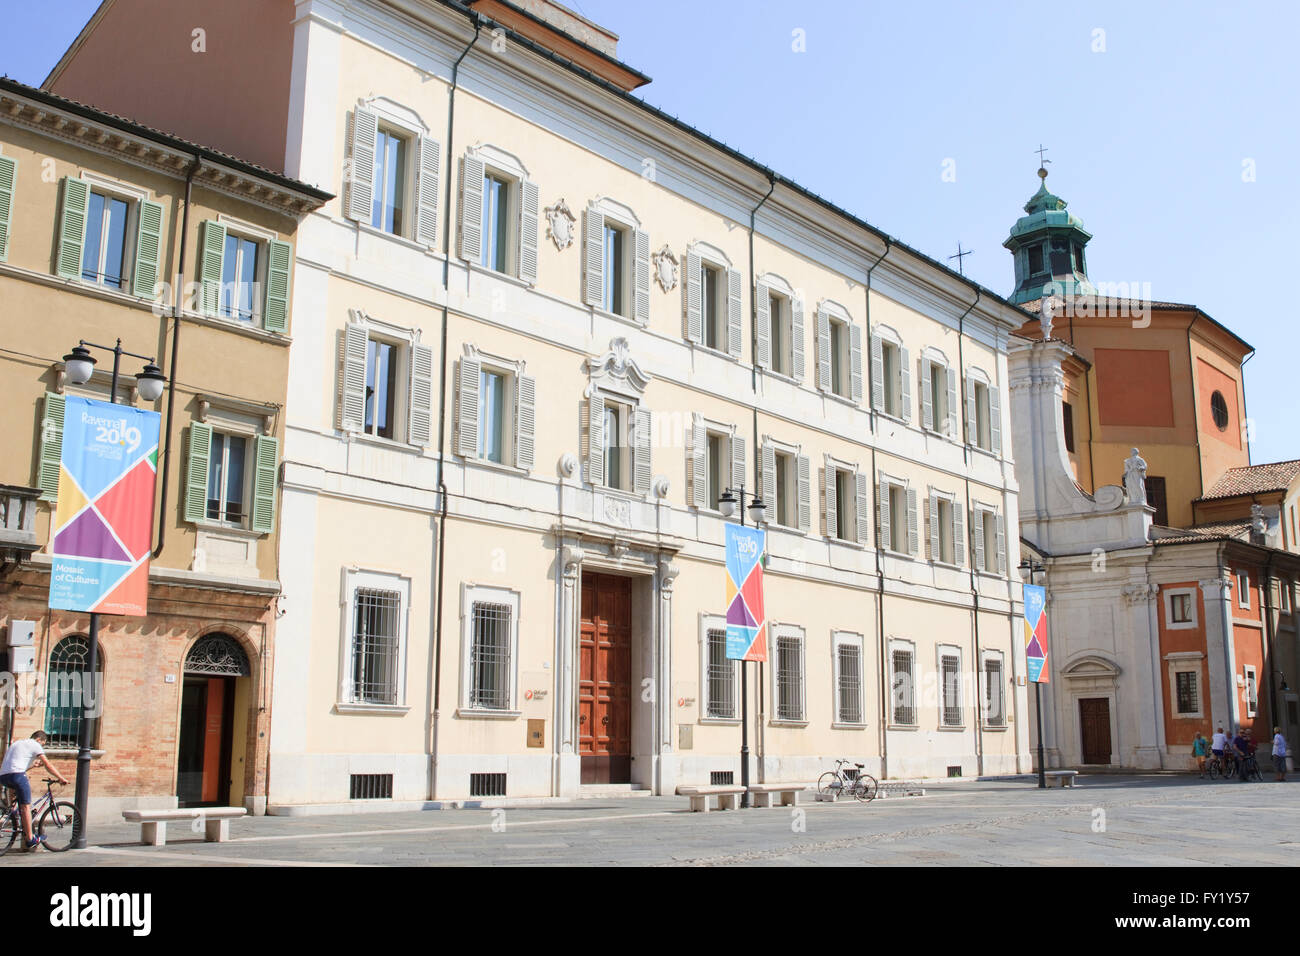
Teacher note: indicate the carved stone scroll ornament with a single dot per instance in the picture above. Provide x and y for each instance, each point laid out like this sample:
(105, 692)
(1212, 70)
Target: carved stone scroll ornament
(559, 225)
(665, 268)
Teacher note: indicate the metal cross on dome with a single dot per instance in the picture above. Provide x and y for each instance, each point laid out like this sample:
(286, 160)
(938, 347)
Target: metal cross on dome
(961, 254)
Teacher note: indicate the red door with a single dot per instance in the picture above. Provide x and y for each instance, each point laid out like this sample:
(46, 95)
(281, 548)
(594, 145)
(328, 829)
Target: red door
(605, 679)
(1094, 721)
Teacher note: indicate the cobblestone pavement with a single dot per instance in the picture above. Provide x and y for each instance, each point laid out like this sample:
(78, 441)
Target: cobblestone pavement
(1106, 821)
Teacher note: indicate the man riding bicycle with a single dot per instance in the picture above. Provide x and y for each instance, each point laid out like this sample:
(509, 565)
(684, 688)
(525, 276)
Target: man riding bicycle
(19, 759)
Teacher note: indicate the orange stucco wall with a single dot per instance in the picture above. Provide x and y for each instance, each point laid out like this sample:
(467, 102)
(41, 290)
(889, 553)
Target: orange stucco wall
(1133, 387)
(1180, 731)
(1248, 650)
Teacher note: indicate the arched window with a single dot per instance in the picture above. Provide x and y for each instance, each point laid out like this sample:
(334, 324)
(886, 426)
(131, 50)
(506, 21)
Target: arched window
(217, 654)
(68, 692)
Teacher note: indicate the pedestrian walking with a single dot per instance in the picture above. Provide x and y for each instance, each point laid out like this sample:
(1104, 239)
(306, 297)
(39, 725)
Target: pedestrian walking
(1200, 749)
(1279, 754)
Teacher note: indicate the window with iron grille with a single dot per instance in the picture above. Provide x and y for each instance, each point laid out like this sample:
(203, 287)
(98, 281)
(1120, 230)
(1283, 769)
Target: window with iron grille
(487, 784)
(950, 682)
(490, 656)
(1187, 692)
(995, 714)
(720, 676)
(848, 680)
(722, 778)
(371, 786)
(789, 678)
(376, 645)
(904, 687)
(67, 691)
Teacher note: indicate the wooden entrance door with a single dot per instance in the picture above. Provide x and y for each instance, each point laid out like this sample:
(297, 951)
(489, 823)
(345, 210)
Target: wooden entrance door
(1094, 720)
(203, 765)
(605, 679)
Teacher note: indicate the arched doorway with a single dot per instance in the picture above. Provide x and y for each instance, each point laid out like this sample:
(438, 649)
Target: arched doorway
(210, 716)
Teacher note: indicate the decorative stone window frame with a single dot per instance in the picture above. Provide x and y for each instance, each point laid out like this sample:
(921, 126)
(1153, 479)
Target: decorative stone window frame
(506, 165)
(986, 655)
(240, 419)
(263, 238)
(471, 594)
(957, 528)
(838, 639)
(407, 339)
(698, 467)
(406, 123)
(861, 536)
(940, 652)
(698, 254)
(352, 579)
(519, 435)
(716, 622)
(802, 507)
(615, 376)
(950, 428)
(132, 195)
(765, 285)
(1285, 596)
(779, 631)
(1250, 678)
(912, 507)
(993, 409)
(837, 313)
(979, 540)
(902, 644)
(900, 388)
(1185, 662)
(636, 266)
(1192, 594)
(1242, 577)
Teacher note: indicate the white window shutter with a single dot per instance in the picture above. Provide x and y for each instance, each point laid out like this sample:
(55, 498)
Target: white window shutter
(593, 274)
(426, 216)
(863, 495)
(959, 543)
(925, 370)
(641, 277)
(699, 466)
(737, 461)
(886, 535)
(855, 364)
(905, 383)
(972, 414)
(528, 217)
(977, 532)
(641, 452)
(763, 331)
(352, 379)
(595, 432)
(1002, 546)
(796, 338)
(913, 538)
(954, 410)
(471, 209)
(805, 494)
(525, 421)
(830, 512)
(877, 374)
(768, 487)
(734, 323)
(936, 549)
(692, 300)
(467, 402)
(361, 171)
(995, 421)
(823, 350)
(419, 417)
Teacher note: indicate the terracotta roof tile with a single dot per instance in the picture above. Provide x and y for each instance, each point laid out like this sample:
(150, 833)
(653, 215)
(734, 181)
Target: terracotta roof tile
(1253, 480)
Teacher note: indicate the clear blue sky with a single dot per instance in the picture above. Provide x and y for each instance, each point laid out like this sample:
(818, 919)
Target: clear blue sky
(1147, 137)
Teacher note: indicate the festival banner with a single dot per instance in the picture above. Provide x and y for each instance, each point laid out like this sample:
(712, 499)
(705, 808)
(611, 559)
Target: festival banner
(103, 526)
(746, 620)
(1036, 633)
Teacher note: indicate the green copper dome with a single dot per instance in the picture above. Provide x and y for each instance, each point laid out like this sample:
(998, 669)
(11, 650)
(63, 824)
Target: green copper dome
(1047, 243)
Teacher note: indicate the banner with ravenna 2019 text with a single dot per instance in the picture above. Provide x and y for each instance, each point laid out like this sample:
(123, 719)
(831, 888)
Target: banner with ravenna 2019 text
(103, 526)
(746, 619)
(1036, 633)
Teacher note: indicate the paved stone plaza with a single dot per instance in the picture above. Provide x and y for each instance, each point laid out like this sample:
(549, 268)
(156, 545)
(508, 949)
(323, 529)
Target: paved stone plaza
(1108, 820)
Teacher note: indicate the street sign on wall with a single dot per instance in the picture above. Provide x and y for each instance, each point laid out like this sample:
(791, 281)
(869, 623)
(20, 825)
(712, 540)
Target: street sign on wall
(1036, 633)
(103, 527)
(746, 619)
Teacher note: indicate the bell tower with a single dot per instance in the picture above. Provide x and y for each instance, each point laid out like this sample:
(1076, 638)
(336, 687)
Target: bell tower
(1048, 245)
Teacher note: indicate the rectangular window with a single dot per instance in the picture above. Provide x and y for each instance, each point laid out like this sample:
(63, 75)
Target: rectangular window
(718, 468)
(1243, 589)
(994, 692)
(1035, 260)
(1252, 692)
(950, 686)
(944, 512)
(720, 676)
(845, 505)
(103, 257)
(226, 479)
(786, 511)
(613, 298)
(1067, 419)
(991, 543)
(1155, 487)
(713, 306)
(903, 688)
(839, 358)
(1284, 599)
(789, 678)
(938, 386)
(381, 388)
(496, 223)
(983, 417)
(238, 278)
(492, 416)
(897, 520)
(388, 212)
(889, 364)
(376, 643)
(848, 681)
(490, 656)
(1181, 608)
(617, 464)
(778, 336)
(1187, 693)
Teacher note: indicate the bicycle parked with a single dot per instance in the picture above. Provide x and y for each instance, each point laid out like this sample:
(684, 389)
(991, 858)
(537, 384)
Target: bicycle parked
(1223, 767)
(853, 781)
(58, 821)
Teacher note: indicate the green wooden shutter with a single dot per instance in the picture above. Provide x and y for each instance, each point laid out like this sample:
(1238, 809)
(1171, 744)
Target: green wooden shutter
(51, 447)
(8, 175)
(72, 227)
(266, 460)
(275, 314)
(196, 472)
(148, 250)
(212, 251)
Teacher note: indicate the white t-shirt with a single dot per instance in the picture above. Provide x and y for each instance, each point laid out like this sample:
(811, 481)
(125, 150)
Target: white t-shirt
(1219, 742)
(21, 755)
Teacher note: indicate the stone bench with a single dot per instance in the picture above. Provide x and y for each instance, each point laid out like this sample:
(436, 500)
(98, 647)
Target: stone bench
(153, 823)
(1060, 778)
(728, 797)
(788, 793)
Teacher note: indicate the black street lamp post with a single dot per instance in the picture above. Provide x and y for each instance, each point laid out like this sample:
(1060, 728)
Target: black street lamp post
(727, 505)
(80, 366)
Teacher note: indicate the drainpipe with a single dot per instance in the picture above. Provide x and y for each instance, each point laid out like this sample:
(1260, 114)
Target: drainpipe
(1275, 717)
(758, 452)
(882, 735)
(177, 298)
(442, 413)
(974, 581)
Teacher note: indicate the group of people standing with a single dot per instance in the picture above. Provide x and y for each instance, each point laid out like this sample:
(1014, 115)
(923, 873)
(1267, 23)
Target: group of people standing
(1238, 748)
